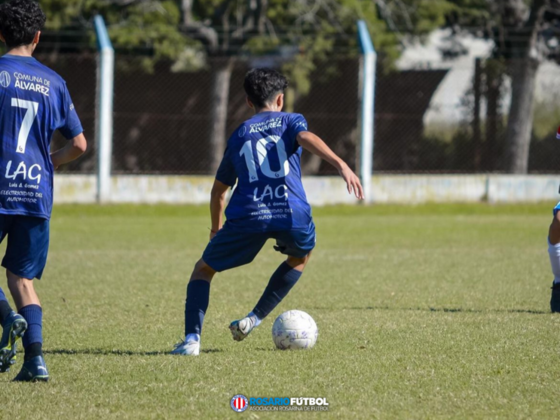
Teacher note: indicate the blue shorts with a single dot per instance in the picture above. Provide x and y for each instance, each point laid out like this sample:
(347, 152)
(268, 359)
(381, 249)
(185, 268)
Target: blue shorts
(556, 209)
(231, 248)
(28, 244)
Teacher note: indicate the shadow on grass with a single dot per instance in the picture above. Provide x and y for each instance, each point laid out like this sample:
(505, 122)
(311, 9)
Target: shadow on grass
(431, 309)
(104, 352)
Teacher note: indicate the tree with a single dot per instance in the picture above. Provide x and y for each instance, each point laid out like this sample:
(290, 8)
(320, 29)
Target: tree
(229, 29)
(310, 29)
(522, 31)
(521, 26)
(148, 30)
(299, 33)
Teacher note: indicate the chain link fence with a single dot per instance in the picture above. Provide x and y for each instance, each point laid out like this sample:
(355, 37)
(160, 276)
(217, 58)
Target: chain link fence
(427, 121)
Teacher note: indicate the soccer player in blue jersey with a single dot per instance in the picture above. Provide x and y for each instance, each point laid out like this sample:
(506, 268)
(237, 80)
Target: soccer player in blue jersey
(34, 102)
(263, 158)
(554, 253)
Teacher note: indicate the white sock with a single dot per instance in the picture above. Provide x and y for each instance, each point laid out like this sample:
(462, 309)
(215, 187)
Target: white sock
(256, 318)
(192, 337)
(554, 254)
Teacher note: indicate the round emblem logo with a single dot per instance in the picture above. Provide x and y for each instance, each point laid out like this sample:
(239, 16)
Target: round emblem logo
(239, 403)
(5, 79)
(242, 131)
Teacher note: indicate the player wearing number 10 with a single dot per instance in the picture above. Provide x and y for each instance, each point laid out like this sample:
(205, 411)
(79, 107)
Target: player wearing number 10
(34, 102)
(269, 202)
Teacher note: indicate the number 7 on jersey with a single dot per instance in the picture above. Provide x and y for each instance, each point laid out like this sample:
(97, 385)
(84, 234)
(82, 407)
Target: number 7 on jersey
(28, 119)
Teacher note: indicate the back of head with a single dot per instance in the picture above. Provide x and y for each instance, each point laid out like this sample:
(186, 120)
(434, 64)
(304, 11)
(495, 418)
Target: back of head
(262, 85)
(20, 20)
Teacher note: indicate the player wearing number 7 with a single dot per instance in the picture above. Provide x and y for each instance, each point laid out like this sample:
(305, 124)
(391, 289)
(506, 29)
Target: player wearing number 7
(34, 102)
(269, 202)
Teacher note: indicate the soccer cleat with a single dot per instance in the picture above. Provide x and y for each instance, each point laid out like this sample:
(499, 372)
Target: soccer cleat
(33, 370)
(14, 328)
(240, 329)
(555, 298)
(189, 347)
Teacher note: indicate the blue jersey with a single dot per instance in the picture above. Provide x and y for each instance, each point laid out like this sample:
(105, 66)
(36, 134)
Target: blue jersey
(34, 102)
(263, 156)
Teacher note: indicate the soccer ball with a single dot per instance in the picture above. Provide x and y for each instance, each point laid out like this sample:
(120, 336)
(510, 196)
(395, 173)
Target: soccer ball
(294, 330)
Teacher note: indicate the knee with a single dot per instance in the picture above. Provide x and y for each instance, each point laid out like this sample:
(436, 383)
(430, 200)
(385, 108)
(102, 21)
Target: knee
(202, 271)
(16, 282)
(298, 263)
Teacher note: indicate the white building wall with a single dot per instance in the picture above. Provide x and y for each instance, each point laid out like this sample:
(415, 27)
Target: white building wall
(322, 190)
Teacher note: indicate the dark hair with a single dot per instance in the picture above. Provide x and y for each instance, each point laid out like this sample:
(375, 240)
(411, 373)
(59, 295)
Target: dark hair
(262, 84)
(20, 20)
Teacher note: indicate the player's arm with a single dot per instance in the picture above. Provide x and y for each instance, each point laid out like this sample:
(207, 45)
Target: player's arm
(72, 151)
(318, 147)
(217, 205)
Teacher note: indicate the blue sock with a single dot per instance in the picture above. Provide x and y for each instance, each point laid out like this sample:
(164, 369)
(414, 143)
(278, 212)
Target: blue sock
(5, 308)
(33, 338)
(198, 295)
(281, 282)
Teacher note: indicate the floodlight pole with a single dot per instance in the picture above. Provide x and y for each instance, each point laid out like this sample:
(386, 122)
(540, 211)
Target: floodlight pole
(104, 109)
(368, 70)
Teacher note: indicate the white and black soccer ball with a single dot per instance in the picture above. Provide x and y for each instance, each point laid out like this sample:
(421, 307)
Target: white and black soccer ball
(294, 330)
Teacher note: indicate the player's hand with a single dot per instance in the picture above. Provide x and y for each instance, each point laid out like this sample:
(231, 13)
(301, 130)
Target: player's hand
(213, 233)
(352, 182)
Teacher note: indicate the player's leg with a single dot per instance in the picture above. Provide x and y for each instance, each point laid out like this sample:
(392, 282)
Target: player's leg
(25, 259)
(13, 324)
(554, 254)
(227, 250)
(13, 328)
(298, 246)
(29, 307)
(5, 308)
(282, 281)
(196, 305)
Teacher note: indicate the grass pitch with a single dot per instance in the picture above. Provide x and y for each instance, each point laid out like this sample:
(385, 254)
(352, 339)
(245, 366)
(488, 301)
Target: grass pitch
(423, 312)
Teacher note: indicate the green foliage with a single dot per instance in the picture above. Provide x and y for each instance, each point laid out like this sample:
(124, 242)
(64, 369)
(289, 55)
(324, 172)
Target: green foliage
(149, 30)
(430, 14)
(471, 13)
(314, 31)
(151, 26)
(60, 13)
(415, 17)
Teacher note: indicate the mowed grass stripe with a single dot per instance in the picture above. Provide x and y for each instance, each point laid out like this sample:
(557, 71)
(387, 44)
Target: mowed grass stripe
(424, 312)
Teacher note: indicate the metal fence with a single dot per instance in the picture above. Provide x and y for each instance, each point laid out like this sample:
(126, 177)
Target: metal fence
(163, 119)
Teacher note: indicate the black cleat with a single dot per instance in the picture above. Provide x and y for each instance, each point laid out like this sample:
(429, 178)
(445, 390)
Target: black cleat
(555, 298)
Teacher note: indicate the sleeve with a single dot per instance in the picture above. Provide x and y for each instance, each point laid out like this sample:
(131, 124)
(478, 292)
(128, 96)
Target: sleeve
(70, 122)
(226, 172)
(296, 125)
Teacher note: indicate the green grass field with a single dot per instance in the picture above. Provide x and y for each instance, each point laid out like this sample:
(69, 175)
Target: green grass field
(429, 312)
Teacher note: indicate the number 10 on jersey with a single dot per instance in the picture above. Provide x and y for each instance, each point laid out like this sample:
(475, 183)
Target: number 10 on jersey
(264, 162)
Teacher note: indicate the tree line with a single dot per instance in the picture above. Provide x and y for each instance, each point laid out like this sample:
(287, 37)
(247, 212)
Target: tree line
(308, 32)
